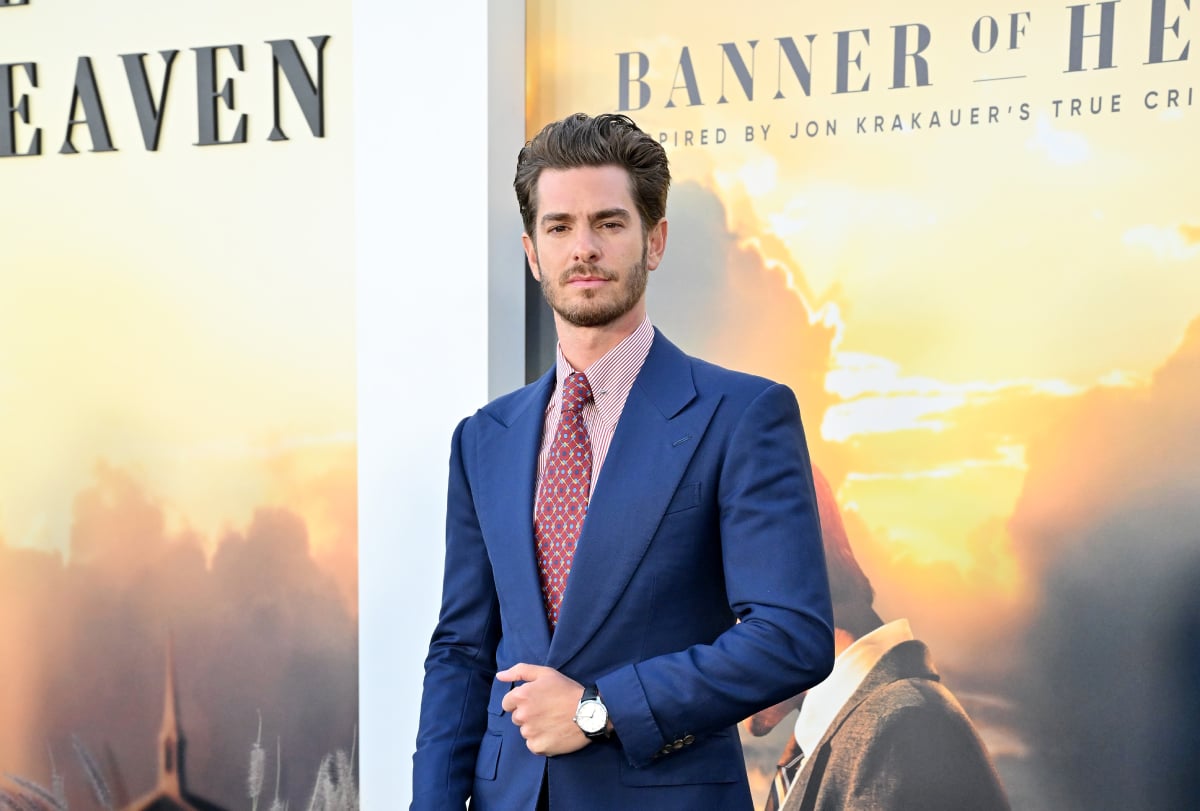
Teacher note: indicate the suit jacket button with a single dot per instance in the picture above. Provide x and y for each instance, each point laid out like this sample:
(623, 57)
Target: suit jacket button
(689, 739)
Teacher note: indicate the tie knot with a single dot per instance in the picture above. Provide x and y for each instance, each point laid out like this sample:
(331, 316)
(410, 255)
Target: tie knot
(576, 392)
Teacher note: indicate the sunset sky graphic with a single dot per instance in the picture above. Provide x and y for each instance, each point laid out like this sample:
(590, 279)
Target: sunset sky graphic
(177, 400)
(978, 319)
(160, 314)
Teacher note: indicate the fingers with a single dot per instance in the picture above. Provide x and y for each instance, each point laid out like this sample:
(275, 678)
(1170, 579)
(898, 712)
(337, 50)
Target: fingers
(520, 672)
(542, 706)
(510, 704)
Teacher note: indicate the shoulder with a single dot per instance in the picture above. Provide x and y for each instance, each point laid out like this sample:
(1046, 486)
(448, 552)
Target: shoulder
(916, 710)
(710, 375)
(924, 752)
(903, 727)
(710, 378)
(508, 408)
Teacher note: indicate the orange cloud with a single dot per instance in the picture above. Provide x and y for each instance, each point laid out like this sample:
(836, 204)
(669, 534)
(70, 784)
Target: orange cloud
(1110, 522)
(734, 305)
(1114, 449)
(263, 629)
(320, 483)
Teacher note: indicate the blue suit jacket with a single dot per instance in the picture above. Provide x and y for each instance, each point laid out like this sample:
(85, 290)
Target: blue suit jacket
(697, 596)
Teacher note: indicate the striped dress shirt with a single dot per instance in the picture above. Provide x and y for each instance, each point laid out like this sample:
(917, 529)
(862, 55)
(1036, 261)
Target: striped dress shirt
(611, 379)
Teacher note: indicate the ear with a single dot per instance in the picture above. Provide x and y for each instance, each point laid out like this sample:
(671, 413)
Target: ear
(531, 254)
(656, 244)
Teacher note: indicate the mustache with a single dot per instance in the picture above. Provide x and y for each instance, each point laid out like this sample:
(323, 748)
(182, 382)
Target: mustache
(583, 269)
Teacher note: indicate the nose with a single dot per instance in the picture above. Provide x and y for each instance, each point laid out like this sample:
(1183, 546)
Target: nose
(587, 246)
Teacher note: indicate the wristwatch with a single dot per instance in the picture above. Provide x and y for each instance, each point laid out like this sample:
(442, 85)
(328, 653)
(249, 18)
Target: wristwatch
(591, 715)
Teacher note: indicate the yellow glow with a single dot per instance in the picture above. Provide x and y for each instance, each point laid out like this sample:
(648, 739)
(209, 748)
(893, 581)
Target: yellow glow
(160, 313)
(970, 309)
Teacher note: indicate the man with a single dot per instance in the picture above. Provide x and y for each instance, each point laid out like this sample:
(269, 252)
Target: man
(623, 579)
(881, 733)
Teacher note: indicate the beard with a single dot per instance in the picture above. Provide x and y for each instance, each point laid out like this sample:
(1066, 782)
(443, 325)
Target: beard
(597, 308)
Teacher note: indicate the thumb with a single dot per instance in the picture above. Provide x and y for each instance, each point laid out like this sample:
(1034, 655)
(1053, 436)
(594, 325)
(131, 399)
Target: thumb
(519, 672)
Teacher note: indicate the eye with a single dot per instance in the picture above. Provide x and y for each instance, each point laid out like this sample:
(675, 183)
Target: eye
(612, 225)
(556, 229)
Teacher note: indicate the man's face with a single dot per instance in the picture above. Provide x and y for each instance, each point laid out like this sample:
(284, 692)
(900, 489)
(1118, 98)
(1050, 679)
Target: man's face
(588, 250)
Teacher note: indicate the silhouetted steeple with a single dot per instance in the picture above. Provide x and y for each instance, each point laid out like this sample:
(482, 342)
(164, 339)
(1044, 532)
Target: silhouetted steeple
(170, 738)
(171, 792)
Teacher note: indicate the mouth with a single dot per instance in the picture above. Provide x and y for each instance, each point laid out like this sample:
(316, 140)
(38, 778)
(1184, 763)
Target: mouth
(587, 281)
(584, 277)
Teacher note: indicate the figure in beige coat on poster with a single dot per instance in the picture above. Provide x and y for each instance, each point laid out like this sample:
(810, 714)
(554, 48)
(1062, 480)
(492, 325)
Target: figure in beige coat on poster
(882, 732)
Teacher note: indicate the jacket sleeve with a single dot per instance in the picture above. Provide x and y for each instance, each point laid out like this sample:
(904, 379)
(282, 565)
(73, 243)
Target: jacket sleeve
(461, 663)
(776, 585)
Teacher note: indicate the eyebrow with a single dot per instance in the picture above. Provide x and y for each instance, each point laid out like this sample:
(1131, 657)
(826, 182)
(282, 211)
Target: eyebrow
(604, 214)
(610, 214)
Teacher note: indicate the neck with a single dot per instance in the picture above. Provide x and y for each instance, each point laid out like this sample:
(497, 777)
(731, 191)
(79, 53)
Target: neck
(583, 346)
(842, 639)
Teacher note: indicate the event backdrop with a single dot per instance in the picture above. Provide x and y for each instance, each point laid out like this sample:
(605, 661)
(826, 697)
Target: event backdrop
(178, 525)
(968, 236)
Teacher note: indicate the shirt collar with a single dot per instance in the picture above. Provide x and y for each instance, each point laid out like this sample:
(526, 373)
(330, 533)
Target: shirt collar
(823, 702)
(612, 375)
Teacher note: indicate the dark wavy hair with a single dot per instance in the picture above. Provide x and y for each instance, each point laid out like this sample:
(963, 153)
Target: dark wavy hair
(604, 140)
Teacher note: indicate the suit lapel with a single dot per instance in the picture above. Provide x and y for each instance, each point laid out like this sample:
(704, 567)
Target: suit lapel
(659, 430)
(508, 452)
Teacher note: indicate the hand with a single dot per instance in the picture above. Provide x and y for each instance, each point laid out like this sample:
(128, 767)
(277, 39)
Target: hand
(544, 709)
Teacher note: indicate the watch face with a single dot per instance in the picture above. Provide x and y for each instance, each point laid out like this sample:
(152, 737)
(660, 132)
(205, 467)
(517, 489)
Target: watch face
(591, 717)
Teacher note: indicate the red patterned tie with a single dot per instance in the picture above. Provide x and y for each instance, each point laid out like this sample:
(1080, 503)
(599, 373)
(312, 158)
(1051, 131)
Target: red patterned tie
(562, 501)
